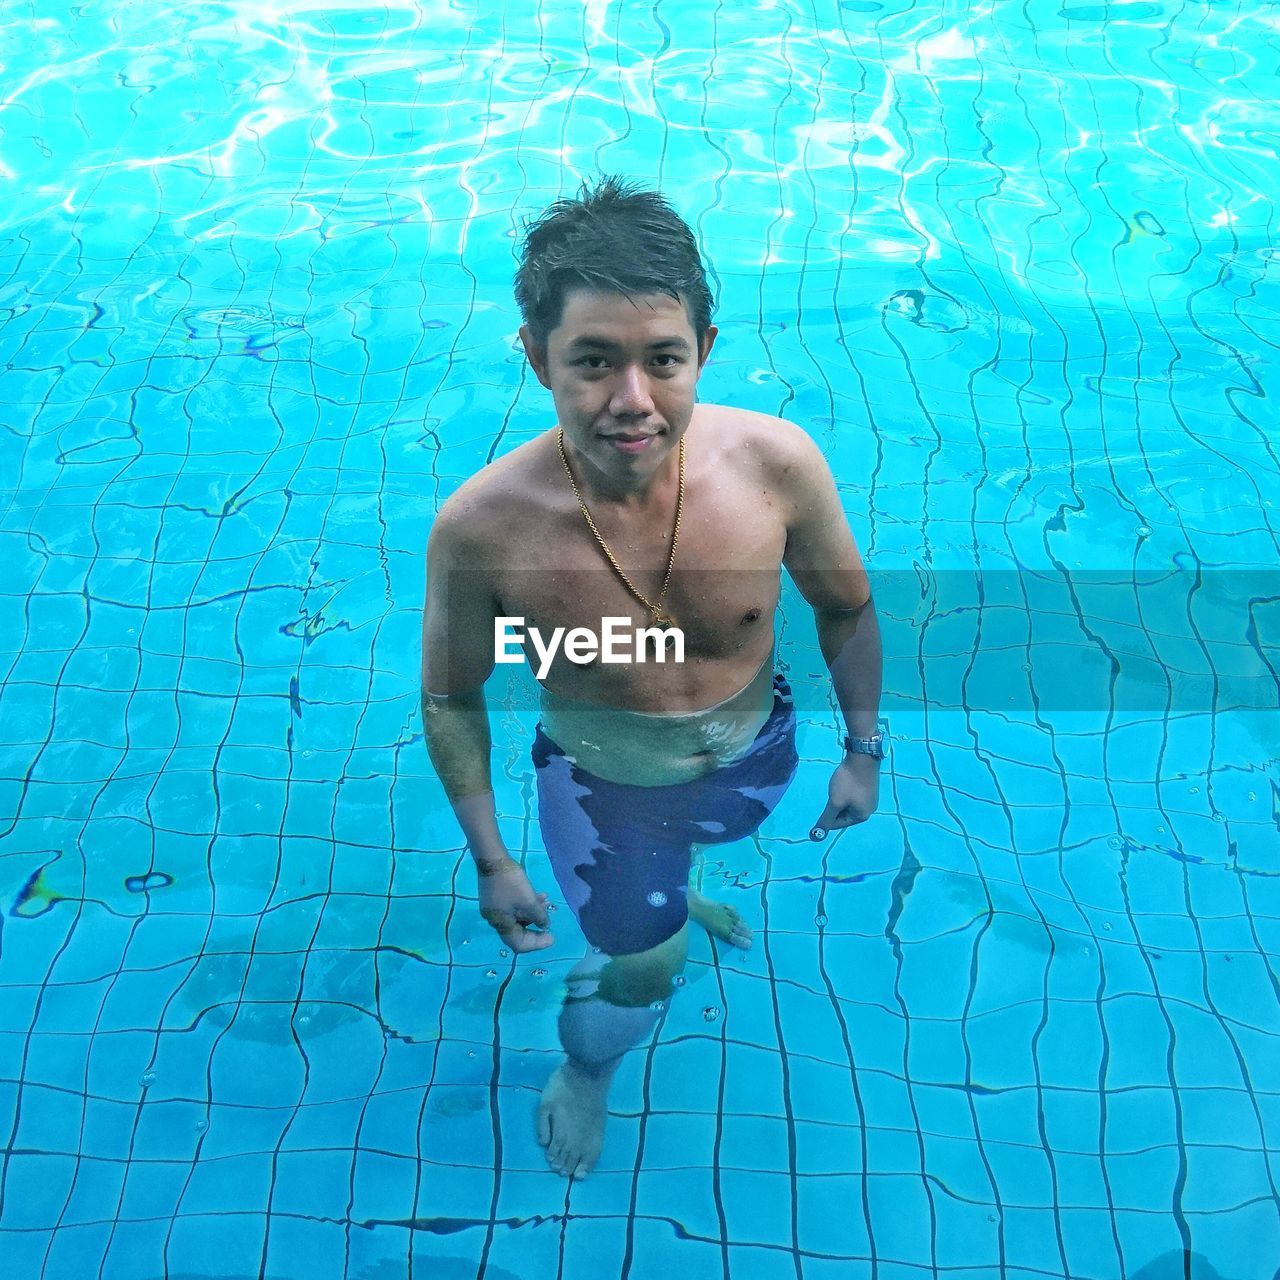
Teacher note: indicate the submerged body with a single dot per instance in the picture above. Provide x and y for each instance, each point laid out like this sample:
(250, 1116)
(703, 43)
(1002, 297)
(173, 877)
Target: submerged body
(651, 748)
(694, 510)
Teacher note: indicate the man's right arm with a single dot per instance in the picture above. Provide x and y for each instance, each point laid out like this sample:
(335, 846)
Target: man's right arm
(457, 658)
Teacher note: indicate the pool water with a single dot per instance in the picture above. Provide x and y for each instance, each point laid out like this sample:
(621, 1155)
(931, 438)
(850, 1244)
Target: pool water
(1014, 267)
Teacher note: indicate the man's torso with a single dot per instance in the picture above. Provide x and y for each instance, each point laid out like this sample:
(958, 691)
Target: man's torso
(547, 567)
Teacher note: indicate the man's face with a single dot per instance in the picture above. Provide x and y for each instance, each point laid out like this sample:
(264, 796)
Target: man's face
(622, 372)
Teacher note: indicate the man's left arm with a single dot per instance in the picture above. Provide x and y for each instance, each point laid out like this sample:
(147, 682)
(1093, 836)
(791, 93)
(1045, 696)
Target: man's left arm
(824, 563)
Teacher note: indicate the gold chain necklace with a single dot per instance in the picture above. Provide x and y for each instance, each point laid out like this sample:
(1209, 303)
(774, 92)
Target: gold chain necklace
(660, 616)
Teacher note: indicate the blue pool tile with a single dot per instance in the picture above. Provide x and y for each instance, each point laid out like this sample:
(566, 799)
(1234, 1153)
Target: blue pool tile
(25, 1251)
(1223, 1178)
(831, 1215)
(75, 1250)
(1207, 1050)
(1227, 1115)
(900, 1216)
(46, 1180)
(305, 1245)
(754, 1086)
(682, 1139)
(150, 1248)
(153, 1189)
(1144, 1180)
(967, 1231)
(760, 1142)
(758, 1207)
(961, 1167)
(1239, 1242)
(1022, 1173)
(384, 1186)
(310, 1184)
(1138, 1042)
(456, 1194)
(821, 1149)
(684, 1198)
(1146, 1237)
(96, 1191)
(235, 1239)
(49, 1121)
(236, 1185)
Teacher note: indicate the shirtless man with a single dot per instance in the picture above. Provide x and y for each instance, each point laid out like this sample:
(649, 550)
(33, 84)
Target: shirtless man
(641, 503)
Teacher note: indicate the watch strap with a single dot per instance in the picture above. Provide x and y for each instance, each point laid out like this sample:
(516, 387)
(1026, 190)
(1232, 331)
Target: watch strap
(872, 746)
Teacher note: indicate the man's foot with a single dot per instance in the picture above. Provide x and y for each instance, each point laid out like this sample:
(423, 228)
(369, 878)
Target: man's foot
(720, 920)
(571, 1120)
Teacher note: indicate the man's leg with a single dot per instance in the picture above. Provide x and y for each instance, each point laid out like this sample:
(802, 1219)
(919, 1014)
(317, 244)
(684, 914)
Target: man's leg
(611, 1004)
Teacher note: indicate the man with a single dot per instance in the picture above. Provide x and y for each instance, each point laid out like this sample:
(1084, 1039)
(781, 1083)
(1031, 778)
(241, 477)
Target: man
(640, 505)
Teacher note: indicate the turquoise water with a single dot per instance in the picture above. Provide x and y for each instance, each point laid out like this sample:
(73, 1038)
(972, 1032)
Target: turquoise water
(1014, 268)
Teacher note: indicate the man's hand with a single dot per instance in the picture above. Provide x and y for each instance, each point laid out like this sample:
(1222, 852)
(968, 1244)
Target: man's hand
(508, 903)
(852, 795)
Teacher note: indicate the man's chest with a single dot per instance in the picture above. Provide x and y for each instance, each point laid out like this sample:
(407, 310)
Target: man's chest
(724, 582)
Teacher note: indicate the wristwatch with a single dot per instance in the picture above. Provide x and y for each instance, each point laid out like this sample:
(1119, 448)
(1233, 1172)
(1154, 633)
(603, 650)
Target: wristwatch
(872, 746)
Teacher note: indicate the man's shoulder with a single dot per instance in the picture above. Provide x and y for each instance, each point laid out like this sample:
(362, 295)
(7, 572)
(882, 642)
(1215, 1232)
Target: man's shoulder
(485, 506)
(779, 447)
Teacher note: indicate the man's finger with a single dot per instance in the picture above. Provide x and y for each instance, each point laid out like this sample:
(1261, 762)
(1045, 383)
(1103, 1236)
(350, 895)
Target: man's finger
(530, 940)
(828, 818)
(534, 912)
(849, 817)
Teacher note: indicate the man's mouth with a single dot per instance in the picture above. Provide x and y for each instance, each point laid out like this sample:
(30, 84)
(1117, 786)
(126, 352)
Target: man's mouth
(631, 441)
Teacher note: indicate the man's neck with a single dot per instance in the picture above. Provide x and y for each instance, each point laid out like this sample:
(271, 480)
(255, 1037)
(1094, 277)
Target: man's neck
(632, 496)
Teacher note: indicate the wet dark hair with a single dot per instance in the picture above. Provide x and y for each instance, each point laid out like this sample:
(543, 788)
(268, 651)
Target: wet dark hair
(618, 238)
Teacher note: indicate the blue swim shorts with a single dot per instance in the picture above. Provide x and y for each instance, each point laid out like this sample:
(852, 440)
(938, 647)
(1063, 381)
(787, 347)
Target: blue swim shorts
(621, 853)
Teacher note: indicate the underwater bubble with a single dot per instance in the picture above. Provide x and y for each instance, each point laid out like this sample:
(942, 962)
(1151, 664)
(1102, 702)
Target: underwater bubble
(1253, 795)
(152, 880)
(1106, 926)
(657, 1006)
(820, 921)
(148, 1079)
(539, 973)
(657, 898)
(201, 1125)
(680, 980)
(1195, 791)
(504, 953)
(1115, 842)
(471, 1053)
(305, 1020)
(1144, 531)
(710, 1013)
(491, 973)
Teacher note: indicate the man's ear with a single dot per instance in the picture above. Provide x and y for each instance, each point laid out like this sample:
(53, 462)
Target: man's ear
(536, 355)
(708, 341)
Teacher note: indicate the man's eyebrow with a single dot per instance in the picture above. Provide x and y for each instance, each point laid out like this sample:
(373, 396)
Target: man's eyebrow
(598, 342)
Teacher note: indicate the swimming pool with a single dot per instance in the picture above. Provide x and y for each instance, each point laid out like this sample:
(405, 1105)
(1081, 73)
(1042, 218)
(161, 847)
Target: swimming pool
(1013, 267)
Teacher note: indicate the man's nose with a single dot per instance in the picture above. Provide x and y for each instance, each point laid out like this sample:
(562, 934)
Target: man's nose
(631, 392)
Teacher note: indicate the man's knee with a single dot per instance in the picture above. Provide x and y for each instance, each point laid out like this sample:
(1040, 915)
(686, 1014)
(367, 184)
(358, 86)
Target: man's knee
(646, 976)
